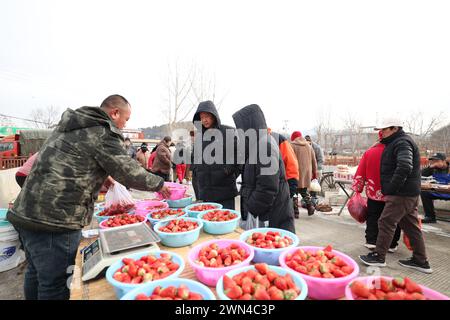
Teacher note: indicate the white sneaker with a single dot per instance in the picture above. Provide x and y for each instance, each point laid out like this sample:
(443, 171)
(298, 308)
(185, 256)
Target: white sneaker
(370, 246)
(392, 250)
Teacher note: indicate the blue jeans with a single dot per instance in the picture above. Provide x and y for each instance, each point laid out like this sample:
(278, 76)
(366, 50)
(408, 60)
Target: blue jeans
(49, 256)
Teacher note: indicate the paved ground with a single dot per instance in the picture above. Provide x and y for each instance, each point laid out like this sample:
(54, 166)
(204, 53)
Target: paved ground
(345, 235)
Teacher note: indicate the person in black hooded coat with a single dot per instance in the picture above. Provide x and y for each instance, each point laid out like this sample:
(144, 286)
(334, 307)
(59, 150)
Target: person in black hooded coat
(263, 195)
(215, 182)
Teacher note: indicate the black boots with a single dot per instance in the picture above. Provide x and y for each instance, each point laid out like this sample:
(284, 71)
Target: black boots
(296, 212)
(310, 209)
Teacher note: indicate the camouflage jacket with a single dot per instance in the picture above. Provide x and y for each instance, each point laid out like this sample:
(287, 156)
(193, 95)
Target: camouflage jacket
(72, 165)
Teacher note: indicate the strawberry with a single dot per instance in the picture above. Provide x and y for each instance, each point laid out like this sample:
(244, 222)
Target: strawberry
(127, 261)
(126, 278)
(132, 270)
(234, 292)
(271, 275)
(381, 295)
(262, 268)
(328, 248)
(290, 294)
(247, 288)
(141, 296)
(280, 283)
(195, 296)
(136, 280)
(393, 296)
(118, 276)
(386, 286)
(347, 269)
(169, 292)
(252, 274)
(338, 273)
(398, 282)
(418, 296)
(411, 286)
(359, 290)
(183, 292)
(228, 283)
(147, 277)
(275, 294)
(261, 294)
(246, 296)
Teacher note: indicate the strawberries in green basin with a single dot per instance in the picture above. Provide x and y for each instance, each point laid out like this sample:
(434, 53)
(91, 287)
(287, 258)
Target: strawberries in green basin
(203, 207)
(171, 293)
(180, 225)
(147, 268)
(164, 213)
(269, 240)
(219, 216)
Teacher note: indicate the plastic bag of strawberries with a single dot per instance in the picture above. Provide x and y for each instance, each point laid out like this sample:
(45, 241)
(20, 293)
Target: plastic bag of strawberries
(118, 195)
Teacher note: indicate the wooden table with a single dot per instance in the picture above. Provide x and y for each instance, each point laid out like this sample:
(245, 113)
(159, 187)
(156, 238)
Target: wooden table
(101, 289)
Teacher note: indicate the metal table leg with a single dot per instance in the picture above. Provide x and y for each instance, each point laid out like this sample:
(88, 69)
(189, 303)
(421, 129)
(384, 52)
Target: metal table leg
(348, 196)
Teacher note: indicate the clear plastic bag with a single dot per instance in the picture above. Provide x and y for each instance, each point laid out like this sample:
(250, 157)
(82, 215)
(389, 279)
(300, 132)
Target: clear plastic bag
(253, 222)
(357, 207)
(118, 194)
(315, 186)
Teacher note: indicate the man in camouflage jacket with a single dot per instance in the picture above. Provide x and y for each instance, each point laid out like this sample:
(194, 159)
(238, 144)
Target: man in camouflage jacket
(57, 199)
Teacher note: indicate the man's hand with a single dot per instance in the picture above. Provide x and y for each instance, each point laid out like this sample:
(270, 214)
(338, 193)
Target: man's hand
(109, 182)
(165, 192)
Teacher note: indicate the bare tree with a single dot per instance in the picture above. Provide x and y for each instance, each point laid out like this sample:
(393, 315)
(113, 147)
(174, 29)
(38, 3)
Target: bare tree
(422, 127)
(353, 127)
(45, 118)
(324, 130)
(186, 88)
(440, 140)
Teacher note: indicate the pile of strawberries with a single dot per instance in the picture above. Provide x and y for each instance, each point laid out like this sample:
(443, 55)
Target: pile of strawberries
(171, 293)
(203, 207)
(123, 219)
(164, 213)
(180, 225)
(214, 257)
(147, 268)
(260, 284)
(154, 207)
(116, 209)
(269, 240)
(321, 263)
(219, 216)
(382, 289)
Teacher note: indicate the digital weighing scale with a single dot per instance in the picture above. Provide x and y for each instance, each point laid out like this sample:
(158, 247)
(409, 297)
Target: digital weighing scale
(114, 244)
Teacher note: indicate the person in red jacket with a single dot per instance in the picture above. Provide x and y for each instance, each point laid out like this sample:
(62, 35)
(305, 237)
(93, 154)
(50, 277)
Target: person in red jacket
(368, 175)
(24, 171)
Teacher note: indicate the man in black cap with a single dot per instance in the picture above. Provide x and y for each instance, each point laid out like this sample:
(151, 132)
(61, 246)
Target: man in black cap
(438, 166)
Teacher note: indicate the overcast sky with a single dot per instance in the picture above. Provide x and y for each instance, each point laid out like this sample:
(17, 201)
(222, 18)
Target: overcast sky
(293, 58)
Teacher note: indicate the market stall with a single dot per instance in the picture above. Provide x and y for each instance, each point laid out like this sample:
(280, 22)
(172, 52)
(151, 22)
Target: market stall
(101, 290)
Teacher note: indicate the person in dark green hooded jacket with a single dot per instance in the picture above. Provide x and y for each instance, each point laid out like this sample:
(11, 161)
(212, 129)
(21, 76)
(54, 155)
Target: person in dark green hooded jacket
(57, 199)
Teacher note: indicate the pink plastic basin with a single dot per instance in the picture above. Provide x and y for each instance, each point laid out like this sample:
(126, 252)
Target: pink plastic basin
(427, 292)
(142, 207)
(324, 288)
(210, 276)
(177, 191)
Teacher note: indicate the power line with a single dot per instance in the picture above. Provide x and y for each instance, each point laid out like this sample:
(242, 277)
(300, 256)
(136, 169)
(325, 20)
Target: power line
(34, 121)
